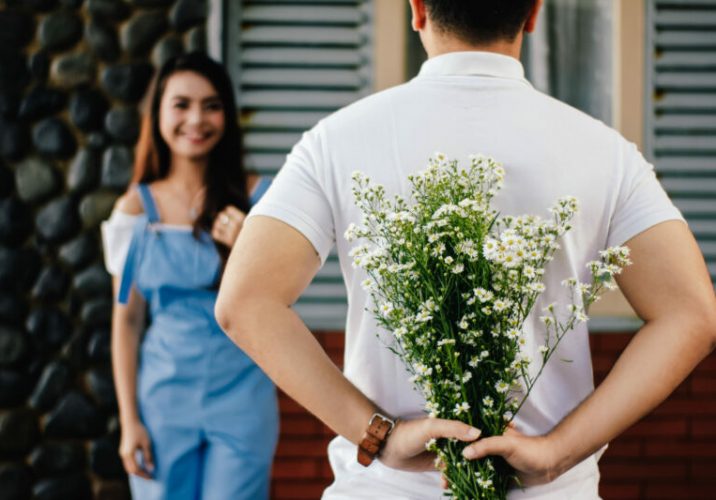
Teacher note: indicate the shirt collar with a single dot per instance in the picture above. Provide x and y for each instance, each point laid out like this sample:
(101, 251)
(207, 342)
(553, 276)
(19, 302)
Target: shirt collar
(473, 63)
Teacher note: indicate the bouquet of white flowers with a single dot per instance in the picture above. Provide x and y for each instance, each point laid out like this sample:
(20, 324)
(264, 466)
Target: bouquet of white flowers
(454, 282)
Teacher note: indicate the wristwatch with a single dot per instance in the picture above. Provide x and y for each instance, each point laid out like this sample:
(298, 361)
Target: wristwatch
(379, 427)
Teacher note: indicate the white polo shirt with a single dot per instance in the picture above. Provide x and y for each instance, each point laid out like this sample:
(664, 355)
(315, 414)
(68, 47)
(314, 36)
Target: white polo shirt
(463, 103)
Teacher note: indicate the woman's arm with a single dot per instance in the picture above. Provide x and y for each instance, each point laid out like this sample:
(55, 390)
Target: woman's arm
(127, 326)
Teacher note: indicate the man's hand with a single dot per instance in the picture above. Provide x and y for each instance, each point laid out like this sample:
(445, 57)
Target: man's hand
(405, 447)
(533, 457)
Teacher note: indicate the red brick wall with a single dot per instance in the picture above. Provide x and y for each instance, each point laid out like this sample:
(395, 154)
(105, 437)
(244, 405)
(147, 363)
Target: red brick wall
(671, 454)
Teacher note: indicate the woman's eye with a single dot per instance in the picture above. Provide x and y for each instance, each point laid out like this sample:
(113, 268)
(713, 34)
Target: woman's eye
(180, 105)
(214, 106)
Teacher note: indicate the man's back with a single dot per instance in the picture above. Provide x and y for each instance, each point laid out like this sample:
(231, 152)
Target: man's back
(462, 104)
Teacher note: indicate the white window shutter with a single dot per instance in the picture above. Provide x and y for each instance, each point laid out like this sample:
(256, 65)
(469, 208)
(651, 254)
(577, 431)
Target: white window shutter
(294, 62)
(680, 122)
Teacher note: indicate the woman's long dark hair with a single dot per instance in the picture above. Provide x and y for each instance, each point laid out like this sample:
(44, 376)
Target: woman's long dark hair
(224, 178)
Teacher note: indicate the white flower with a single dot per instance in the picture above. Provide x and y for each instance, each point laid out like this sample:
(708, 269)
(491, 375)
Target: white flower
(502, 387)
(473, 361)
(461, 408)
(457, 268)
(487, 401)
(466, 377)
(386, 309)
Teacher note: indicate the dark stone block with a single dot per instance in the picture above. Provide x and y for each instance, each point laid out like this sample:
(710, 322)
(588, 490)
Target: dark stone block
(117, 167)
(18, 268)
(41, 102)
(93, 281)
(40, 5)
(39, 65)
(127, 82)
(36, 179)
(197, 39)
(123, 124)
(14, 73)
(51, 284)
(87, 109)
(113, 490)
(71, 70)
(6, 181)
(18, 432)
(13, 309)
(74, 417)
(9, 104)
(167, 48)
(14, 140)
(53, 459)
(76, 487)
(55, 379)
(97, 141)
(83, 174)
(49, 326)
(187, 13)
(14, 348)
(16, 29)
(71, 4)
(60, 30)
(80, 251)
(58, 220)
(110, 10)
(142, 31)
(97, 312)
(103, 40)
(99, 346)
(15, 481)
(104, 459)
(53, 138)
(15, 221)
(14, 388)
(96, 207)
(152, 3)
(101, 387)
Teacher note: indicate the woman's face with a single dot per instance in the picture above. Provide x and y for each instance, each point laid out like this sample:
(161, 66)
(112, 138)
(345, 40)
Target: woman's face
(191, 115)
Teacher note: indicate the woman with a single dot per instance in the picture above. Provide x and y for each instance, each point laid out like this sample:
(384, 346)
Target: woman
(198, 417)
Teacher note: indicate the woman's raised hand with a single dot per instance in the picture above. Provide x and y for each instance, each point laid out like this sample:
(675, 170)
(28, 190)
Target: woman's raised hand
(227, 225)
(135, 441)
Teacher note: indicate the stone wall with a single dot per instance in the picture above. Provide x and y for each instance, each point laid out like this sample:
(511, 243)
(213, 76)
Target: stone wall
(72, 73)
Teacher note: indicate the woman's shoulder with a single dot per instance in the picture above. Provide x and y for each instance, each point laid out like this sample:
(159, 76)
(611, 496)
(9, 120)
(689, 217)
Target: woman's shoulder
(130, 203)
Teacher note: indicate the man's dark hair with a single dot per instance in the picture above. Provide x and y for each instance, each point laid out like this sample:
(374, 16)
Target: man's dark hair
(480, 21)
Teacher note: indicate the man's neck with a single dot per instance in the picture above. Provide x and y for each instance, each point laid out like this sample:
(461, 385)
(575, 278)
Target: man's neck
(441, 45)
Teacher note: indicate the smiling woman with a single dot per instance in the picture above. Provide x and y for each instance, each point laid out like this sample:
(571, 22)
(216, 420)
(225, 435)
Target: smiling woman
(183, 388)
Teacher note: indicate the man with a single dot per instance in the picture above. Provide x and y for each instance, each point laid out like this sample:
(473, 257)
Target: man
(470, 97)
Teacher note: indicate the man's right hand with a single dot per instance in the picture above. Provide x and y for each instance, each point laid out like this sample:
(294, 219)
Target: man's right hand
(405, 447)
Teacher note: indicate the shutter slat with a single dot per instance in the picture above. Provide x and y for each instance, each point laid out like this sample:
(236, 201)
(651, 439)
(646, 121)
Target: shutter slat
(690, 186)
(304, 78)
(302, 14)
(297, 36)
(703, 228)
(695, 18)
(299, 100)
(270, 141)
(683, 123)
(297, 120)
(681, 164)
(696, 207)
(674, 59)
(273, 57)
(686, 39)
(692, 101)
(686, 80)
(680, 143)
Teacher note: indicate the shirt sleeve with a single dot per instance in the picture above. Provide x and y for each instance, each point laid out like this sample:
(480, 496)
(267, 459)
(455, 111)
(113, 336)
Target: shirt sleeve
(116, 237)
(641, 202)
(298, 195)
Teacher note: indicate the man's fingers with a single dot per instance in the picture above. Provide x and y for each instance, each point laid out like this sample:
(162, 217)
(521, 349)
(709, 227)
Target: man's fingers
(496, 445)
(439, 428)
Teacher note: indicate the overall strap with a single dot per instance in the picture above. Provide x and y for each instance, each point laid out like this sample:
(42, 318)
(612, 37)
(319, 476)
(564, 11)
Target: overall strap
(127, 278)
(150, 208)
(260, 189)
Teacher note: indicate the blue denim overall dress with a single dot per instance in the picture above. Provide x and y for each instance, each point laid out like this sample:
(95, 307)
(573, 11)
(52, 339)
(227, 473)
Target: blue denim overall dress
(210, 412)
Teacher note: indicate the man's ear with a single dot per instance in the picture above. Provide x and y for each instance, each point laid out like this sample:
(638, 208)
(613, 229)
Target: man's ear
(418, 9)
(531, 21)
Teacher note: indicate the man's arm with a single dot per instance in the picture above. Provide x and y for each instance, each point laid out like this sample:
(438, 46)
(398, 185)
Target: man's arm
(669, 287)
(270, 265)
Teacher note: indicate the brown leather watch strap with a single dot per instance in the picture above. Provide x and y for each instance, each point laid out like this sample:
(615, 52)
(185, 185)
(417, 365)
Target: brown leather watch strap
(374, 438)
